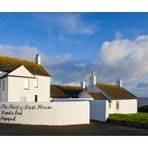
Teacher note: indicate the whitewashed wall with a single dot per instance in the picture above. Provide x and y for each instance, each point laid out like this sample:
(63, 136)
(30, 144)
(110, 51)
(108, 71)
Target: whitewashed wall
(54, 113)
(125, 106)
(99, 110)
(15, 87)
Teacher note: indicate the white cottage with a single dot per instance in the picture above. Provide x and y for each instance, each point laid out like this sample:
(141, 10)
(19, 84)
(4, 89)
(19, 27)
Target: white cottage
(23, 81)
(119, 99)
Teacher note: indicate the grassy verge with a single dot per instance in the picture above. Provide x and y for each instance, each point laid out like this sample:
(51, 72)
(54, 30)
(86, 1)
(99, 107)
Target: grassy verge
(138, 117)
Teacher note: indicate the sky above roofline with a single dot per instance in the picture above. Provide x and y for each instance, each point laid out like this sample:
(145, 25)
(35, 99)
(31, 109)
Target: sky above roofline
(74, 44)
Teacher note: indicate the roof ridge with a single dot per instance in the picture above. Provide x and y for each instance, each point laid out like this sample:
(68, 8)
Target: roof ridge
(106, 84)
(67, 85)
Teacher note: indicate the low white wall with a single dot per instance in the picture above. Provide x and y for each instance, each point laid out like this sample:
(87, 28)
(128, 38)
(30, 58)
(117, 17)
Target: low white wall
(125, 106)
(142, 102)
(99, 110)
(54, 113)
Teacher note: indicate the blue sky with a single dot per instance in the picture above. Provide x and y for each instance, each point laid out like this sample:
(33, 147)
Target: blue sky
(74, 44)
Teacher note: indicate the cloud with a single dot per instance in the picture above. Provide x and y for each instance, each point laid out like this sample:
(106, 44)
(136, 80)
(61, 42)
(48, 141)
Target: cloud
(63, 68)
(71, 23)
(122, 58)
(29, 53)
(142, 85)
(22, 52)
(125, 58)
(71, 71)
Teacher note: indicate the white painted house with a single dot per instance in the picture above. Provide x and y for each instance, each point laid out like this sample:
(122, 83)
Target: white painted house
(119, 99)
(23, 81)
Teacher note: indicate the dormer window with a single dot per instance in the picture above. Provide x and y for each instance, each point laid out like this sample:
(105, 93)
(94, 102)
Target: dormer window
(26, 83)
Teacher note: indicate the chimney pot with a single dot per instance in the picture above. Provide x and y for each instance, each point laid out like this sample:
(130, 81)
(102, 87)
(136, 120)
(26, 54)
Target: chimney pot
(38, 59)
(83, 85)
(92, 79)
(119, 82)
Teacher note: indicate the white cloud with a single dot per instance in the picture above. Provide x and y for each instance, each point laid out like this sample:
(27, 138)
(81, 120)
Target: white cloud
(71, 23)
(56, 60)
(29, 53)
(23, 52)
(126, 58)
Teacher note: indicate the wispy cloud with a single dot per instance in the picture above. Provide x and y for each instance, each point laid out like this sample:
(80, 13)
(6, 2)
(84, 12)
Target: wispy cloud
(71, 23)
(22, 52)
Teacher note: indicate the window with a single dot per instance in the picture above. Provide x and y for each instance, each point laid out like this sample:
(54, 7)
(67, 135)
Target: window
(36, 83)
(23, 99)
(110, 104)
(3, 84)
(26, 83)
(117, 105)
(36, 98)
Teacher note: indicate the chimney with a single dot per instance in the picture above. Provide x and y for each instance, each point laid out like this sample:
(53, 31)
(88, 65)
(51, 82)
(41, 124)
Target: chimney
(119, 82)
(83, 85)
(92, 79)
(38, 59)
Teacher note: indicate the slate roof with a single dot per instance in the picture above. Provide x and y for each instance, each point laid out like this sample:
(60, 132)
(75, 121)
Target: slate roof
(9, 64)
(116, 92)
(68, 91)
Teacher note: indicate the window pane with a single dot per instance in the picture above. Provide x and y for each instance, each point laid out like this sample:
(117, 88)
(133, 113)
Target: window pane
(3, 84)
(117, 105)
(109, 104)
(22, 99)
(36, 83)
(26, 83)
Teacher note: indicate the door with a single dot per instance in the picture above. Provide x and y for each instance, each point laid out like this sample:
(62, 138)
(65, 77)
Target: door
(36, 98)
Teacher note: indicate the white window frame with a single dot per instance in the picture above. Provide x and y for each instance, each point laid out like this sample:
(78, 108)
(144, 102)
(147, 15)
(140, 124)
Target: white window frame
(3, 84)
(26, 84)
(117, 105)
(36, 83)
(110, 104)
(23, 99)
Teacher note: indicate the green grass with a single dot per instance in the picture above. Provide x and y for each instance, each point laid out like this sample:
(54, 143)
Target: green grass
(138, 117)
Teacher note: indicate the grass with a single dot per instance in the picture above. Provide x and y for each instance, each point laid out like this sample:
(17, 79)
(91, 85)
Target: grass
(138, 117)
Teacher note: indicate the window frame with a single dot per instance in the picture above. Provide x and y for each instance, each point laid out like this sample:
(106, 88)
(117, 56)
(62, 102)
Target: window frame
(23, 99)
(117, 105)
(26, 88)
(36, 83)
(3, 84)
(110, 104)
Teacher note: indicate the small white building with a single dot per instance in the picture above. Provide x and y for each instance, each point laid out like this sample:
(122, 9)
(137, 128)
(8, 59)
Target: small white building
(23, 81)
(119, 99)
